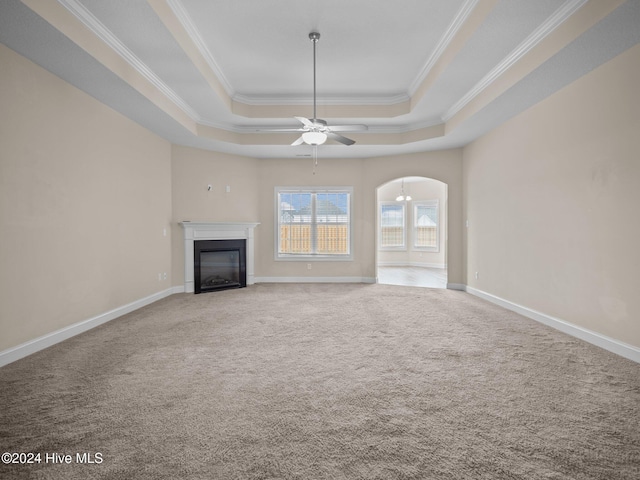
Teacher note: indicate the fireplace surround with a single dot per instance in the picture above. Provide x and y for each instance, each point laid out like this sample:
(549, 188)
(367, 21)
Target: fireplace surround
(195, 231)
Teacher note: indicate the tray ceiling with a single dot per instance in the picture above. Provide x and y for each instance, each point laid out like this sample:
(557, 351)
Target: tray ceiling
(422, 74)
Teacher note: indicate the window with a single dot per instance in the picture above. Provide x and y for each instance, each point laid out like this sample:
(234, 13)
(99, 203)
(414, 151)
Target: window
(392, 225)
(425, 226)
(313, 223)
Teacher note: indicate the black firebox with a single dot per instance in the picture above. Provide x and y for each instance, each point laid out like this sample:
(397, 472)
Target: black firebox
(219, 265)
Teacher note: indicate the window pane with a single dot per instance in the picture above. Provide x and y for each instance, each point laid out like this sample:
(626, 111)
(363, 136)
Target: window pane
(332, 207)
(295, 207)
(392, 215)
(295, 222)
(392, 225)
(333, 239)
(332, 216)
(426, 226)
(313, 223)
(295, 239)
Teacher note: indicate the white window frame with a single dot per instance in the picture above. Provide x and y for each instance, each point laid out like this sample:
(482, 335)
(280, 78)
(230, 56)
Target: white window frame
(313, 190)
(425, 203)
(402, 247)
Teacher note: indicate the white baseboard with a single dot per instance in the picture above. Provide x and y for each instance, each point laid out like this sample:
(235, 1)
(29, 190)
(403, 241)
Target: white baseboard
(412, 264)
(615, 346)
(602, 341)
(45, 341)
(315, 280)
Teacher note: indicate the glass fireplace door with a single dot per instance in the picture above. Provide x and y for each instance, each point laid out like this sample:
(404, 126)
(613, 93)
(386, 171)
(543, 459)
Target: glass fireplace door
(219, 269)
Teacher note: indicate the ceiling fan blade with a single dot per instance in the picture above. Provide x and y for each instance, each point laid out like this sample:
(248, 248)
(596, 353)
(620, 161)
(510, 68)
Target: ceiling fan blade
(348, 128)
(281, 130)
(305, 121)
(299, 141)
(340, 138)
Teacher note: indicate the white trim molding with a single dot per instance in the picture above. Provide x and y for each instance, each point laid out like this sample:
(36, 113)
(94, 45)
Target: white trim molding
(440, 266)
(315, 280)
(567, 9)
(109, 38)
(187, 23)
(602, 341)
(32, 346)
(345, 99)
(443, 43)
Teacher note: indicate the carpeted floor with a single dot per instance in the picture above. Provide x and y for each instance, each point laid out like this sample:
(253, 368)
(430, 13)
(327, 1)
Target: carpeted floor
(323, 381)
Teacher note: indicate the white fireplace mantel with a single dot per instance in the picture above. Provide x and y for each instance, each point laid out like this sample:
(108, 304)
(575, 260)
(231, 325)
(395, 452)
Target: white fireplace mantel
(216, 231)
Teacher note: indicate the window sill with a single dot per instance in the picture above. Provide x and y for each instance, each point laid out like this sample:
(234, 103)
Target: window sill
(313, 258)
(426, 249)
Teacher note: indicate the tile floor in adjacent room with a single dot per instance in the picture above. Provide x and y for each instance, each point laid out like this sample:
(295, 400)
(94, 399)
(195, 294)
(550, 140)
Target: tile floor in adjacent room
(413, 276)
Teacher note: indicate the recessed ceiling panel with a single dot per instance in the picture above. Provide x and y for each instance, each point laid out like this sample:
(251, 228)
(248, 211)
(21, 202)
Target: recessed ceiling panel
(366, 48)
(370, 52)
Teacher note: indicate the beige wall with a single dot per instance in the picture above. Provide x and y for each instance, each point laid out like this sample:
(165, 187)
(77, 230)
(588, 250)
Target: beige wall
(85, 195)
(252, 198)
(299, 172)
(192, 171)
(365, 176)
(425, 189)
(552, 200)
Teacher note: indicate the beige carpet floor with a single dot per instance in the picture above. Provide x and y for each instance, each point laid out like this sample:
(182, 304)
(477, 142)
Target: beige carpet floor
(323, 381)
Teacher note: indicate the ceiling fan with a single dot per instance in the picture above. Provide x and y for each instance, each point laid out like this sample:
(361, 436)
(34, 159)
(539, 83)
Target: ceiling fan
(316, 131)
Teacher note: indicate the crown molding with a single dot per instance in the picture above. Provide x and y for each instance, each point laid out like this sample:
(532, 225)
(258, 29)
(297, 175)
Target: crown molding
(194, 34)
(539, 34)
(443, 43)
(337, 100)
(373, 129)
(103, 33)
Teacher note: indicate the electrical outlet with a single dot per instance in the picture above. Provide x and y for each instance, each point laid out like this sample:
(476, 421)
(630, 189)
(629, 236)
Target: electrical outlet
(164, 276)
(308, 266)
(477, 275)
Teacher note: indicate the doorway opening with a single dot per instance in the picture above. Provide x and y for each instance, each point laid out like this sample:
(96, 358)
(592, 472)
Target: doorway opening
(411, 232)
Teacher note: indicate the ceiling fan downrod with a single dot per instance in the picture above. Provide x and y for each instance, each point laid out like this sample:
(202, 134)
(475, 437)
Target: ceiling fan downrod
(314, 37)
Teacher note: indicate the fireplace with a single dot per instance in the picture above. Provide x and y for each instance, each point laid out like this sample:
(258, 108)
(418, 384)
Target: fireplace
(219, 264)
(200, 231)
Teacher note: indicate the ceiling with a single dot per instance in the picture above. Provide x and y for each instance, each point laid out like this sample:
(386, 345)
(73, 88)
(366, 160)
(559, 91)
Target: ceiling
(422, 74)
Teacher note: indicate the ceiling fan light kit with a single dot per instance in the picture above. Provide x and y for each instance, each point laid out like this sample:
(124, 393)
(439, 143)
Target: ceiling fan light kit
(314, 138)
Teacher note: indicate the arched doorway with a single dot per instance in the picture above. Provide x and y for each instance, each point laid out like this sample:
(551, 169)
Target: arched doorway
(411, 232)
